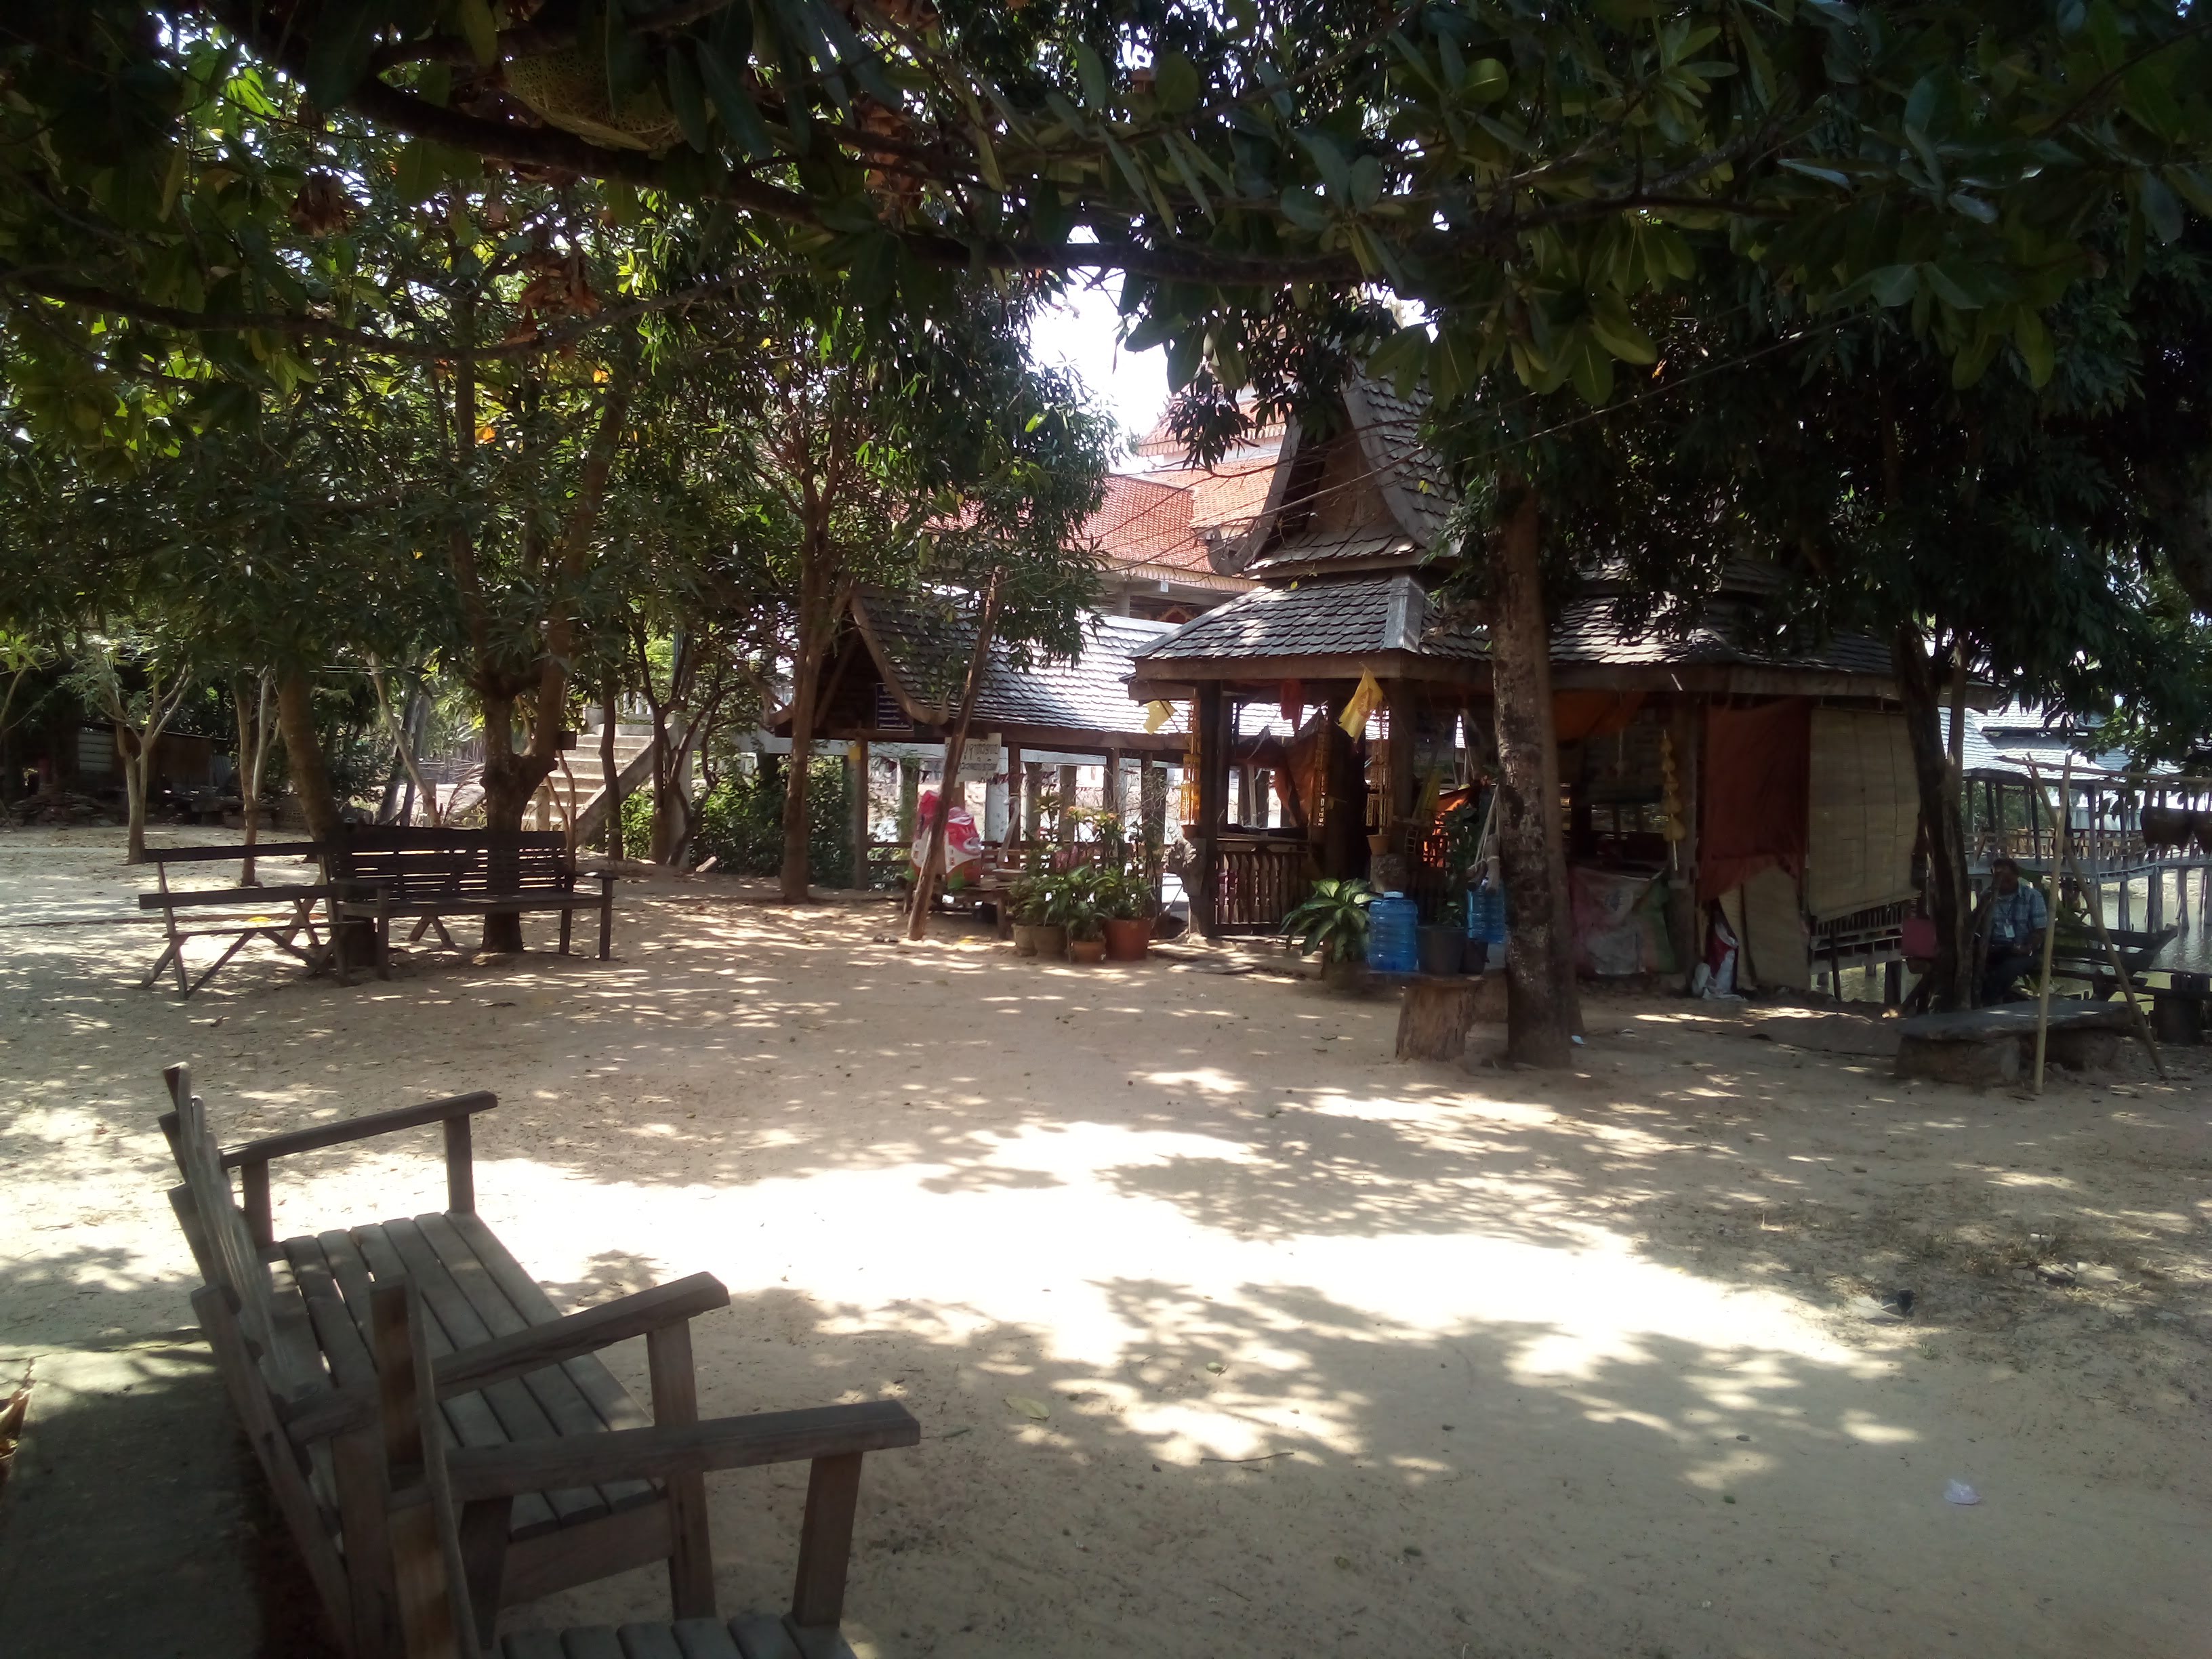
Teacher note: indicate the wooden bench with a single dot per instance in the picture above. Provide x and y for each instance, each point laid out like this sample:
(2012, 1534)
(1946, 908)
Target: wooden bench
(429, 1492)
(2078, 954)
(1983, 1047)
(191, 913)
(518, 1386)
(430, 874)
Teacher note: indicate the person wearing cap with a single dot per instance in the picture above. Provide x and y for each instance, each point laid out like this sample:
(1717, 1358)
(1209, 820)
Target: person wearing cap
(2017, 916)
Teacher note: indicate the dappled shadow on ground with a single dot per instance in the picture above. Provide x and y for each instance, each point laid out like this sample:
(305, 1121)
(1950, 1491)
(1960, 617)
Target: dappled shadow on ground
(947, 1174)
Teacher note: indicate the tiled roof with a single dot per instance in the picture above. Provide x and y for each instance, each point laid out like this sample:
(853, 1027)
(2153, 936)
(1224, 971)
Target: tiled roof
(2022, 732)
(1389, 428)
(1224, 499)
(927, 648)
(1346, 618)
(1587, 634)
(1340, 548)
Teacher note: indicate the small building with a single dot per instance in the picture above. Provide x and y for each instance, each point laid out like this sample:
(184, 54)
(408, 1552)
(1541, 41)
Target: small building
(1158, 533)
(1699, 769)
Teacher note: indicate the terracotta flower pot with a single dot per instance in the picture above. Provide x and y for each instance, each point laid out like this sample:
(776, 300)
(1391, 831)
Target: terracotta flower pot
(1024, 938)
(1126, 938)
(1051, 942)
(1086, 950)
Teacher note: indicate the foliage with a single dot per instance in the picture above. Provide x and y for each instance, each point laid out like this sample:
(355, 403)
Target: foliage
(741, 823)
(1332, 920)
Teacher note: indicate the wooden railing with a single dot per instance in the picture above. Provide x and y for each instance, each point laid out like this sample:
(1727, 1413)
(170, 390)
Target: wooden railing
(1259, 883)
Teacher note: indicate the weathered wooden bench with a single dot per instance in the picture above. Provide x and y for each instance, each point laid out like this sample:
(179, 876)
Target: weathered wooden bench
(1983, 1047)
(430, 1491)
(191, 913)
(2078, 954)
(565, 1489)
(431, 874)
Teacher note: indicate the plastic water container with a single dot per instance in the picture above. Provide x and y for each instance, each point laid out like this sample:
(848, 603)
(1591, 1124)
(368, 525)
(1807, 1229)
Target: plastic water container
(1392, 946)
(1485, 914)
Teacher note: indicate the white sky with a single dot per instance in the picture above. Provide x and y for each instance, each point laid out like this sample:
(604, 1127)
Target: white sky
(1081, 333)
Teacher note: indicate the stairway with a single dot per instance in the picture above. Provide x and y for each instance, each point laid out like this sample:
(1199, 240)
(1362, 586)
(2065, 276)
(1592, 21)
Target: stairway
(578, 791)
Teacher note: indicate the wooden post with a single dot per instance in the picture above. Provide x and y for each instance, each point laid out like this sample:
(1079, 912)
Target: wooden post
(1064, 831)
(1033, 807)
(1111, 793)
(825, 1542)
(1399, 808)
(2050, 918)
(1014, 817)
(1686, 733)
(1212, 791)
(676, 1405)
(857, 762)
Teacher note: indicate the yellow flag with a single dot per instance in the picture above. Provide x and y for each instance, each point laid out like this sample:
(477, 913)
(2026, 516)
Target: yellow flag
(1364, 702)
(1157, 714)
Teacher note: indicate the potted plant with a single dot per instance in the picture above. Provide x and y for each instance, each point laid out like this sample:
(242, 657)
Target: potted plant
(1086, 917)
(1054, 897)
(1025, 909)
(1333, 920)
(1126, 898)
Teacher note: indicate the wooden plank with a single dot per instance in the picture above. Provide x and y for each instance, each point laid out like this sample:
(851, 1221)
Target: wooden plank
(676, 1403)
(648, 1641)
(249, 1397)
(729, 1443)
(185, 898)
(565, 1405)
(452, 1323)
(531, 1645)
(267, 849)
(555, 1559)
(761, 1636)
(358, 1128)
(825, 1541)
(591, 1642)
(615, 1405)
(704, 1638)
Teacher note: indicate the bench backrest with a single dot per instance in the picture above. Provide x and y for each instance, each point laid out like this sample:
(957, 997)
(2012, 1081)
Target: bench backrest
(427, 863)
(231, 1261)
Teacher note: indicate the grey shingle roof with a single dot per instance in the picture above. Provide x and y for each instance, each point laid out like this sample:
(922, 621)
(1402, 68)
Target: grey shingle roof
(1337, 547)
(1322, 619)
(1389, 429)
(1587, 634)
(926, 648)
(2021, 732)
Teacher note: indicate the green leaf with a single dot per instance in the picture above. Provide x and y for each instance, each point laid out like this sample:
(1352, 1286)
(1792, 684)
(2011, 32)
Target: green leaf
(684, 97)
(1826, 175)
(1303, 209)
(1894, 285)
(423, 164)
(1185, 353)
(479, 27)
(1176, 82)
(1335, 170)
(2160, 208)
(1592, 370)
(2034, 339)
(1486, 80)
(338, 53)
(1401, 359)
(1092, 74)
(739, 117)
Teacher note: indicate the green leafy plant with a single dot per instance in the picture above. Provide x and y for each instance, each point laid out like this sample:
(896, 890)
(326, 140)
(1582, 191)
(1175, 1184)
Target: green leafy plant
(1333, 920)
(1074, 903)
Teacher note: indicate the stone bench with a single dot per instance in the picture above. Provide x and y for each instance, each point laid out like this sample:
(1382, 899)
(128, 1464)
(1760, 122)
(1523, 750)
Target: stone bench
(1982, 1046)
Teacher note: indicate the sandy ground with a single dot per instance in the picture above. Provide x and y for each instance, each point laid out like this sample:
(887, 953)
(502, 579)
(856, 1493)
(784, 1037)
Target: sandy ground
(1334, 1355)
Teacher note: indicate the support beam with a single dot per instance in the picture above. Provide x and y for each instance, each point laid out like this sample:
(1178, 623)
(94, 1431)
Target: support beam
(856, 765)
(1212, 805)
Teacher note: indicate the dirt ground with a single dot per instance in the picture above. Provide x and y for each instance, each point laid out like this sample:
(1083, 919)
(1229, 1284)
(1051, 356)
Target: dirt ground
(1228, 1335)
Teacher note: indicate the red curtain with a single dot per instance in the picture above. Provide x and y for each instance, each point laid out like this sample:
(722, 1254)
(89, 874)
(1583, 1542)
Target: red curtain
(1755, 783)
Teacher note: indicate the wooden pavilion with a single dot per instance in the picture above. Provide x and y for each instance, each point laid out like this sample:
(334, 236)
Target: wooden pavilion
(1697, 767)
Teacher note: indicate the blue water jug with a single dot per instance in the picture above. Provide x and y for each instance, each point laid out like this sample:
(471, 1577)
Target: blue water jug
(1486, 913)
(1392, 946)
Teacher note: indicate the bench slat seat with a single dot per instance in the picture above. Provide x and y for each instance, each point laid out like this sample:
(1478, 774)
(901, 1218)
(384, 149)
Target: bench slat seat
(426, 875)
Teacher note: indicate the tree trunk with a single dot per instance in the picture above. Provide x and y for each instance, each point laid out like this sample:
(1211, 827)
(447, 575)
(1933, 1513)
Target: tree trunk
(249, 703)
(311, 778)
(608, 709)
(807, 670)
(932, 860)
(1542, 1008)
(134, 794)
(1949, 983)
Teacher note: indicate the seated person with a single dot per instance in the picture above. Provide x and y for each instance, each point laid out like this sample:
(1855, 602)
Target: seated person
(2017, 916)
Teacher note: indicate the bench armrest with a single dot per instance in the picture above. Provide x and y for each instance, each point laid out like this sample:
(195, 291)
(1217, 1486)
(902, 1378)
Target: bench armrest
(479, 1366)
(185, 898)
(722, 1443)
(580, 1333)
(359, 1128)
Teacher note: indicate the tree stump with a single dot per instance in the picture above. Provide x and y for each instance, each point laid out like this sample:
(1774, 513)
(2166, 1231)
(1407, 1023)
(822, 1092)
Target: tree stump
(1436, 1012)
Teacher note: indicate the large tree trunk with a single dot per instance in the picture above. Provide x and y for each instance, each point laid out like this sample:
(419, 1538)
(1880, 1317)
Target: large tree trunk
(1919, 682)
(250, 703)
(610, 708)
(311, 778)
(1542, 1008)
(511, 778)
